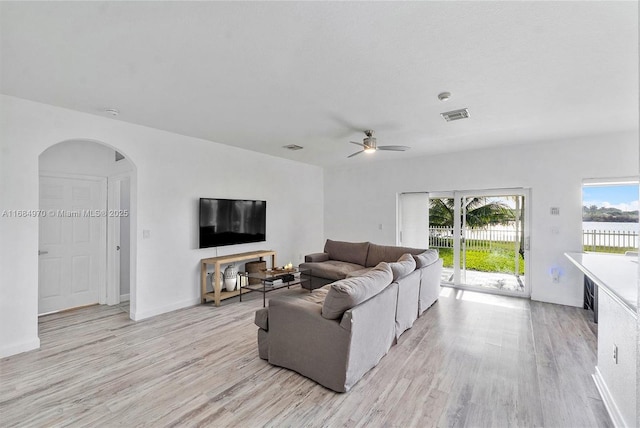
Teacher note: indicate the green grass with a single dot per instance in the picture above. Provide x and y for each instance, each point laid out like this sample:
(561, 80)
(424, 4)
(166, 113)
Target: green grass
(496, 260)
(610, 250)
(501, 256)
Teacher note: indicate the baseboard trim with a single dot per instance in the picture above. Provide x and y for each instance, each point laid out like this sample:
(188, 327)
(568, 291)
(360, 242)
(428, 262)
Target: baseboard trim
(124, 297)
(141, 315)
(18, 348)
(607, 399)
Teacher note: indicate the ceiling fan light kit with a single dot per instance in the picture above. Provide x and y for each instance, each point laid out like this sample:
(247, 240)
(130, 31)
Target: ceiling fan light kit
(444, 96)
(370, 145)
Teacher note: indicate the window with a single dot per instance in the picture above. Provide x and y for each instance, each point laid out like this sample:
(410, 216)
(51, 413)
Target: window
(610, 216)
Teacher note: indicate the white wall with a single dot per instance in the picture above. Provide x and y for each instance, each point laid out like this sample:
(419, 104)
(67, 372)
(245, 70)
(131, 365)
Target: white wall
(359, 197)
(173, 171)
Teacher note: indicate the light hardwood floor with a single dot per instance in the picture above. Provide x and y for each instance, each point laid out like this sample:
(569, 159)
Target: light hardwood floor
(470, 360)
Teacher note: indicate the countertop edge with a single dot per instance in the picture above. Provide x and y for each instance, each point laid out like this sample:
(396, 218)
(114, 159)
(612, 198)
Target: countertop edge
(632, 310)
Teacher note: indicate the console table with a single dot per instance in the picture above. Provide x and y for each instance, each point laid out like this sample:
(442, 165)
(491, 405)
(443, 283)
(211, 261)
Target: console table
(217, 262)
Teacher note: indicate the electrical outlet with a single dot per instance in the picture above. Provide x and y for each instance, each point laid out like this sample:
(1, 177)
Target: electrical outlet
(615, 353)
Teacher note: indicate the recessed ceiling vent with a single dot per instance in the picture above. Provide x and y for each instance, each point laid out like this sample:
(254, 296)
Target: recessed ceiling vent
(293, 147)
(449, 116)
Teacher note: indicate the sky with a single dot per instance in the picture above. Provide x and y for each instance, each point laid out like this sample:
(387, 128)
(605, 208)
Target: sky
(623, 197)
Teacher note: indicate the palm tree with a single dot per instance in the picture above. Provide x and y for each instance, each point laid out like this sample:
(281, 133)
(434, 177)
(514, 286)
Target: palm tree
(480, 213)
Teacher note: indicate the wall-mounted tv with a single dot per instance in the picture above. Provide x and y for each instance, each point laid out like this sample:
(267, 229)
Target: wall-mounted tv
(232, 221)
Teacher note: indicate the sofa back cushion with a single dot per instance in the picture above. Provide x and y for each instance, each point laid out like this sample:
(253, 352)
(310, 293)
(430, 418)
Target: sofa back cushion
(352, 252)
(350, 292)
(387, 253)
(403, 267)
(426, 258)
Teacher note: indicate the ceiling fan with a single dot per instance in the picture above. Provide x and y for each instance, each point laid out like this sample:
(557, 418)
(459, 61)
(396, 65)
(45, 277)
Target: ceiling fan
(370, 145)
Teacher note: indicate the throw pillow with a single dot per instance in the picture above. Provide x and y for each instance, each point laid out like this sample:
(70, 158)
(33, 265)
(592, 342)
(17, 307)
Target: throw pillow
(425, 259)
(350, 292)
(403, 267)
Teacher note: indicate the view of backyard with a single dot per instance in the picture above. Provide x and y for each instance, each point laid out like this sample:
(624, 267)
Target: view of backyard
(491, 241)
(492, 236)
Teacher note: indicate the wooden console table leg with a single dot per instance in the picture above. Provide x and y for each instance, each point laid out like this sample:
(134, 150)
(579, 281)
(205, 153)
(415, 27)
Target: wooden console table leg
(216, 286)
(203, 282)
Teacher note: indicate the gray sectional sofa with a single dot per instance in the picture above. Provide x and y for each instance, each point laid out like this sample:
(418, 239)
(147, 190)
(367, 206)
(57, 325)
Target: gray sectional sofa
(337, 333)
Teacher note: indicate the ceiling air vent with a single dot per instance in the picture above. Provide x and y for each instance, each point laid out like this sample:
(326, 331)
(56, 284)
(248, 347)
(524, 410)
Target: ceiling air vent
(293, 147)
(449, 116)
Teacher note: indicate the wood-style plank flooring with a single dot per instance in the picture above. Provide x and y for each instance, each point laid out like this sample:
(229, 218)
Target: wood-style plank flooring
(471, 360)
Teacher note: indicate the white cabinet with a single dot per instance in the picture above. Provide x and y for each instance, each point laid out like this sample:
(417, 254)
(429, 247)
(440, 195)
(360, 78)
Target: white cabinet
(615, 375)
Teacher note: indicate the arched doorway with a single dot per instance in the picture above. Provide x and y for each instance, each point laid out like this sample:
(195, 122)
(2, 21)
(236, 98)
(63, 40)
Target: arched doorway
(87, 230)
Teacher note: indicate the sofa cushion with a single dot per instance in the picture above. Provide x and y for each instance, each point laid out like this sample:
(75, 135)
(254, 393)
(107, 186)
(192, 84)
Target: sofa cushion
(358, 272)
(387, 253)
(426, 258)
(350, 292)
(331, 269)
(352, 252)
(403, 267)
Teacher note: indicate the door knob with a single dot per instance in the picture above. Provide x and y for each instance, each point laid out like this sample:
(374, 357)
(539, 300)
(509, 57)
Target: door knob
(42, 252)
(117, 247)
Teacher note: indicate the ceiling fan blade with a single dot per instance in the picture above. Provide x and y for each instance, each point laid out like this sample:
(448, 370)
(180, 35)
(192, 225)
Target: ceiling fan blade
(394, 148)
(356, 153)
(358, 144)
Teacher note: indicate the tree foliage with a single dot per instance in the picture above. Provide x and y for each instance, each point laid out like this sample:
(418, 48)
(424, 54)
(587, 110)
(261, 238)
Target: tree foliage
(480, 212)
(612, 215)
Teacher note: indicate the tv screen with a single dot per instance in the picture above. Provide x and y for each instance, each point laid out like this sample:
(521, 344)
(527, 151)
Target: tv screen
(231, 221)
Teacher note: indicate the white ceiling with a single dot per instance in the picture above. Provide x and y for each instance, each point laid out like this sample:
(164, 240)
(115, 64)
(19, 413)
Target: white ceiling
(261, 75)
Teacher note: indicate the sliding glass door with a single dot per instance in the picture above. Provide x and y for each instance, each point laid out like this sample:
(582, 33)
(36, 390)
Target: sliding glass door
(483, 238)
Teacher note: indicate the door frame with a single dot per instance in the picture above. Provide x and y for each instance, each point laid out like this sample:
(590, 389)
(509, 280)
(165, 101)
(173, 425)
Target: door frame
(457, 195)
(102, 282)
(113, 236)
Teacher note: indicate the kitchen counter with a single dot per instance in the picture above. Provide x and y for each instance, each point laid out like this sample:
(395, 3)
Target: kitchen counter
(615, 274)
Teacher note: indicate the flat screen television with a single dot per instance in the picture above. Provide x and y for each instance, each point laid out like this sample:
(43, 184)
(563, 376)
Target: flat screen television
(231, 221)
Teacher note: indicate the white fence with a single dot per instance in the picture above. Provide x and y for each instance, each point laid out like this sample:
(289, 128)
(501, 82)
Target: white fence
(595, 240)
(476, 239)
(482, 239)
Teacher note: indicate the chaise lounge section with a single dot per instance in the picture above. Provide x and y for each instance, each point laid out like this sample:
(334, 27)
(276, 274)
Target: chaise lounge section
(341, 259)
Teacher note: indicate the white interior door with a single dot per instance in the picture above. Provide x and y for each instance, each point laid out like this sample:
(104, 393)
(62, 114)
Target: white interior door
(72, 242)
